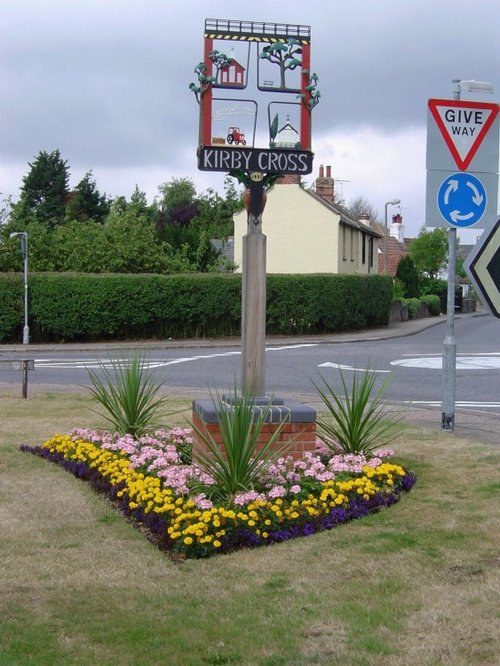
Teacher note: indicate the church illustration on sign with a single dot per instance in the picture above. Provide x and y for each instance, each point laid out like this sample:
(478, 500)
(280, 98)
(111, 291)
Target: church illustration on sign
(286, 137)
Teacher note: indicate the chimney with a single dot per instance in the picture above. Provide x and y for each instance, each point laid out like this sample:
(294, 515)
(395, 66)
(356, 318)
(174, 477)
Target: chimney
(397, 229)
(288, 179)
(324, 184)
(364, 218)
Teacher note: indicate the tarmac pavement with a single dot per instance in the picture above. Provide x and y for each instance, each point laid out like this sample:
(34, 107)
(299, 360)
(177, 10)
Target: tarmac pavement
(475, 424)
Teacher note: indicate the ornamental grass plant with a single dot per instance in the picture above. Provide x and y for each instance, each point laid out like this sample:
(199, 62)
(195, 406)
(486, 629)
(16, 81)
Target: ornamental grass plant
(129, 395)
(241, 460)
(354, 421)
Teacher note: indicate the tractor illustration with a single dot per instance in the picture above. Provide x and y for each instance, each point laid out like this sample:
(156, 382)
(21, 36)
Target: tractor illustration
(235, 136)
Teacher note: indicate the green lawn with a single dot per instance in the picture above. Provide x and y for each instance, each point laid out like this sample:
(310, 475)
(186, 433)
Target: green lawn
(414, 584)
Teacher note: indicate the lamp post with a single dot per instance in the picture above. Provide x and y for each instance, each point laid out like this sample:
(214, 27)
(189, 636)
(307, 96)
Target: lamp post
(394, 202)
(24, 250)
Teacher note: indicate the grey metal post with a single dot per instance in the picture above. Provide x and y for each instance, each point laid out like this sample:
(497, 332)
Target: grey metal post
(450, 345)
(24, 251)
(394, 202)
(26, 330)
(253, 303)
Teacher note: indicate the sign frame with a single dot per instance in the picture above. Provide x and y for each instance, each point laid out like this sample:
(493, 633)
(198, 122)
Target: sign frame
(478, 268)
(470, 109)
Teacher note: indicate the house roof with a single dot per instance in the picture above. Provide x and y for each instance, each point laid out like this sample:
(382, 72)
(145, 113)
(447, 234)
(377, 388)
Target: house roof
(345, 218)
(395, 250)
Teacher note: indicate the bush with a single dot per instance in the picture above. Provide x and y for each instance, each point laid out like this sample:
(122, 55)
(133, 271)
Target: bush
(433, 302)
(433, 286)
(12, 310)
(398, 291)
(87, 307)
(298, 304)
(413, 306)
(408, 274)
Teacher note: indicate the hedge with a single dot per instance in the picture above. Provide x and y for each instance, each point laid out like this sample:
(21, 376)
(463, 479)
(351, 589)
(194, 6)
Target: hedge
(65, 307)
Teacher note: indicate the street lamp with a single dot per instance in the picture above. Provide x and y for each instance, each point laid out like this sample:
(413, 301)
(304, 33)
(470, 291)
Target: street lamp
(471, 86)
(394, 202)
(24, 250)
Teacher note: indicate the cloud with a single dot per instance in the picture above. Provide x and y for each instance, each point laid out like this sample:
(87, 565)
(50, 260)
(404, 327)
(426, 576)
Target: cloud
(106, 83)
(379, 166)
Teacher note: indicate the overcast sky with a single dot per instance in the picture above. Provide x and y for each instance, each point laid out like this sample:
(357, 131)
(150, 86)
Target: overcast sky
(106, 83)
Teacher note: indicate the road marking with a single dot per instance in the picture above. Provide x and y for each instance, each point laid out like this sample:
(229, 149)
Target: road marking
(458, 403)
(468, 354)
(92, 364)
(340, 366)
(469, 362)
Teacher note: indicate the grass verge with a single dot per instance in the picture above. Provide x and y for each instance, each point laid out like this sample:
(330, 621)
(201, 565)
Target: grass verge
(414, 584)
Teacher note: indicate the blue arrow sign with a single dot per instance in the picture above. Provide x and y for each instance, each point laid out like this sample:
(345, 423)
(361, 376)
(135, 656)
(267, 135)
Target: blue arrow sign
(462, 199)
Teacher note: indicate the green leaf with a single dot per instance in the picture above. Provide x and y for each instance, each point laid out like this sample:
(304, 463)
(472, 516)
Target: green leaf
(355, 420)
(128, 395)
(238, 463)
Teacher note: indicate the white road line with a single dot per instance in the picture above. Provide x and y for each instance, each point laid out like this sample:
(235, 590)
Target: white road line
(340, 366)
(458, 355)
(153, 363)
(469, 362)
(458, 403)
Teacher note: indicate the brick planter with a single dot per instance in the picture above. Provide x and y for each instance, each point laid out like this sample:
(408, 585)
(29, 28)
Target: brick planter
(299, 431)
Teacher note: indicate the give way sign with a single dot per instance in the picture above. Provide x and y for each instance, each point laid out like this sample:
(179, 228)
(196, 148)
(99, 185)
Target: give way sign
(464, 126)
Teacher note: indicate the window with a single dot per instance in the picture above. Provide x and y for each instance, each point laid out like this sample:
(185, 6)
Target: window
(370, 252)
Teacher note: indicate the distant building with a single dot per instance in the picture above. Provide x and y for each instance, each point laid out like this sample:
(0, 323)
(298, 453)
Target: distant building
(396, 246)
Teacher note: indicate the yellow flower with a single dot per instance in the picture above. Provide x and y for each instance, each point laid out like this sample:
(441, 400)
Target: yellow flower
(188, 541)
(217, 544)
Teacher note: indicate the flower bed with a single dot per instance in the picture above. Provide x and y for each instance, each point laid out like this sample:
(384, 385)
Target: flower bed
(153, 481)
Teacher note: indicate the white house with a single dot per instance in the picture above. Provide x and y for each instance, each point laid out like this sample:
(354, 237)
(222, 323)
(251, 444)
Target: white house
(307, 233)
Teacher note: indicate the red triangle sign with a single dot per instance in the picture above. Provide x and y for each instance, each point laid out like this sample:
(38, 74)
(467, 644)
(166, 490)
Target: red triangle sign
(463, 125)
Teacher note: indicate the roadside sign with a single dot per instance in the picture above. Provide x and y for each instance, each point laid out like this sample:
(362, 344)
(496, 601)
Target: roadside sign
(483, 268)
(464, 126)
(461, 199)
(463, 140)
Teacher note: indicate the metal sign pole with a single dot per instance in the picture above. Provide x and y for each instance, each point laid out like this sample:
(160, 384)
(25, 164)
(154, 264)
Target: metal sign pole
(450, 345)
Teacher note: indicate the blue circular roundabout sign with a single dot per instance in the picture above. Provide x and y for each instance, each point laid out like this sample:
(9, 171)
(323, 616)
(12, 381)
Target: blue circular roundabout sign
(462, 199)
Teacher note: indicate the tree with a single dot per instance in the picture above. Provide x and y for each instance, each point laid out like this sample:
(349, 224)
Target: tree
(86, 202)
(406, 271)
(360, 206)
(283, 55)
(5, 210)
(176, 208)
(44, 192)
(176, 193)
(429, 252)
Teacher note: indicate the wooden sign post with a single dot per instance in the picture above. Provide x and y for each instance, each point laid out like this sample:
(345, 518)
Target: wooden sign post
(278, 57)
